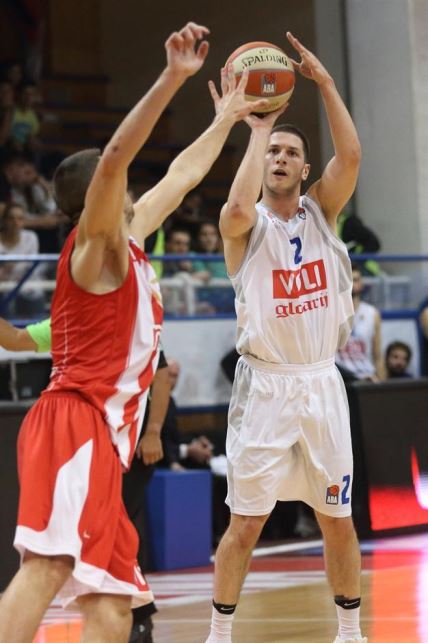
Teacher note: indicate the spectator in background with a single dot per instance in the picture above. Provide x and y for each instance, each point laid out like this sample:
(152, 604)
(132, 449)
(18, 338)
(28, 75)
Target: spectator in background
(177, 454)
(209, 242)
(397, 359)
(25, 122)
(14, 240)
(34, 193)
(358, 239)
(177, 242)
(361, 357)
(17, 241)
(12, 175)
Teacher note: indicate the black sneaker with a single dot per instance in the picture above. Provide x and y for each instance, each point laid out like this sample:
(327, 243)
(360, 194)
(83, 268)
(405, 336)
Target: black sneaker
(142, 632)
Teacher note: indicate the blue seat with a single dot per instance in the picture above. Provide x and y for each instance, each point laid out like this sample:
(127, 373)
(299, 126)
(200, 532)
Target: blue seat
(178, 518)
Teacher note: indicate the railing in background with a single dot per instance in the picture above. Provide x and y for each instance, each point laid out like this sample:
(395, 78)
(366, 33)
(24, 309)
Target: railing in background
(187, 296)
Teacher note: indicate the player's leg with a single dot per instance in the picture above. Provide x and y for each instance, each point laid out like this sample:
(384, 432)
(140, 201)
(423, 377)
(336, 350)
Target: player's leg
(232, 560)
(343, 566)
(29, 595)
(327, 449)
(106, 618)
(341, 555)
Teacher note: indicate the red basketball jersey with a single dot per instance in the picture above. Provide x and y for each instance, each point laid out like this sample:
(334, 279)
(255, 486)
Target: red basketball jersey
(105, 347)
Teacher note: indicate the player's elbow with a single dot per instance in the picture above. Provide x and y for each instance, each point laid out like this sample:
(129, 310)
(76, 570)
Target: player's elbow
(236, 211)
(354, 153)
(112, 160)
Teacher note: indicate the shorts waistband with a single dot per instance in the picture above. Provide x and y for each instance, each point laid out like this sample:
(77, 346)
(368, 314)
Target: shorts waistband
(288, 369)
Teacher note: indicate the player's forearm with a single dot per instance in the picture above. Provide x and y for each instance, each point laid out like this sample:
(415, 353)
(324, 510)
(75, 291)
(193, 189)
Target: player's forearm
(194, 163)
(159, 402)
(247, 184)
(135, 129)
(343, 132)
(15, 339)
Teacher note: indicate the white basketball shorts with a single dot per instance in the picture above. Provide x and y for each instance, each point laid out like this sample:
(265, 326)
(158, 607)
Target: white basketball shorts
(288, 438)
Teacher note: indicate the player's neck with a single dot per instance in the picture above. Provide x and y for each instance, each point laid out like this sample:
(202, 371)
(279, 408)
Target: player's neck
(284, 206)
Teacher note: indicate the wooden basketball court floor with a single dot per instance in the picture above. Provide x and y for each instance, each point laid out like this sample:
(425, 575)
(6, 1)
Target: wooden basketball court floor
(286, 598)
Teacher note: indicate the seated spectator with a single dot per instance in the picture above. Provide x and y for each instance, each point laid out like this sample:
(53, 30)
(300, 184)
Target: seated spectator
(358, 239)
(361, 357)
(25, 122)
(15, 240)
(177, 454)
(397, 359)
(209, 242)
(12, 175)
(177, 243)
(34, 193)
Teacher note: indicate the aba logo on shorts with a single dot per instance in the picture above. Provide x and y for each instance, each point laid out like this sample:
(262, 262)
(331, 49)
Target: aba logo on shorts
(332, 497)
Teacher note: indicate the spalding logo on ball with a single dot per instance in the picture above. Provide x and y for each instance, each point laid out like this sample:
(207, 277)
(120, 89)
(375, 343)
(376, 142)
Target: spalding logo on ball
(271, 73)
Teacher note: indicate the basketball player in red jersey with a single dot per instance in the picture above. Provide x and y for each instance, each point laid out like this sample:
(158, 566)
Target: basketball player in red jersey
(289, 436)
(73, 534)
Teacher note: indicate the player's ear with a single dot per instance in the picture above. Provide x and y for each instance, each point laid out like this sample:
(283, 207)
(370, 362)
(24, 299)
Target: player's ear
(306, 170)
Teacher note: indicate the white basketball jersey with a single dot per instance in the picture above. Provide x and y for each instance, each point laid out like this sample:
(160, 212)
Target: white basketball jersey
(293, 290)
(357, 354)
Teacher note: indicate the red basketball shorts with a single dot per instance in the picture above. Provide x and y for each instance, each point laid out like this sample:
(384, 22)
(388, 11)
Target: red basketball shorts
(71, 502)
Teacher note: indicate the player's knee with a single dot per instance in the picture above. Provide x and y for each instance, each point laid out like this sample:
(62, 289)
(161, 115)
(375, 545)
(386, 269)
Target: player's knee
(336, 526)
(54, 570)
(246, 530)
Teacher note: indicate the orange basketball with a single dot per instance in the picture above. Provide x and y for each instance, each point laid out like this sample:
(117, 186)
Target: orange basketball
(271, 72)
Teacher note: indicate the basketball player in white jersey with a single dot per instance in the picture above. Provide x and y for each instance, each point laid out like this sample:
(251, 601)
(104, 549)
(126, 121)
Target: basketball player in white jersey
(288, 434)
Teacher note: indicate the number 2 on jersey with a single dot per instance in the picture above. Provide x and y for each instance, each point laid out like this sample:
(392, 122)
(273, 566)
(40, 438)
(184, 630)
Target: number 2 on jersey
(297, 253)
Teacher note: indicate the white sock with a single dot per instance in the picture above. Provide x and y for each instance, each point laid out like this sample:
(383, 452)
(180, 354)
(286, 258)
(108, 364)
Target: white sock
(349, 622)
(221, 628)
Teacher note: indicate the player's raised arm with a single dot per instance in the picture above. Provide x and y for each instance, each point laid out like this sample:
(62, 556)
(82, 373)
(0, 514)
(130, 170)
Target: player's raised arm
(339, 178)
(101, 220)
(190, 167)
(239, 214)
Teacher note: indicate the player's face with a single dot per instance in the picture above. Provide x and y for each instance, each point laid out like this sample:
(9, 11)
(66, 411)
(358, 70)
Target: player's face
(285, 166)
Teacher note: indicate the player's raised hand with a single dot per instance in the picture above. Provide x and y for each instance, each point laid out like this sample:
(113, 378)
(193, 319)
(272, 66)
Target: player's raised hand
(265, 121)
(232, 102)
(184, 56)
(309, 65)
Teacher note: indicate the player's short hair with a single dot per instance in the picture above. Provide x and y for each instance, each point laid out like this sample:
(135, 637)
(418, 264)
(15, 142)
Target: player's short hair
(71, 180)
(292, 129)
(401, 346)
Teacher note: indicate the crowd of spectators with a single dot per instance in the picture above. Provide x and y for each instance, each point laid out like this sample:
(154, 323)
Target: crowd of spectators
(30, 222)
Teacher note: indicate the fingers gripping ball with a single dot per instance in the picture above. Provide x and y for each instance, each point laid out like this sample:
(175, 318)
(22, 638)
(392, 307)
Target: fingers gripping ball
(271, 73)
